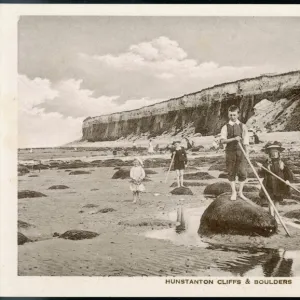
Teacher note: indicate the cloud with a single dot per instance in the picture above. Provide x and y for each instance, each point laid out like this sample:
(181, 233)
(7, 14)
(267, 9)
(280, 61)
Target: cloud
(52, 115)
(165, 59)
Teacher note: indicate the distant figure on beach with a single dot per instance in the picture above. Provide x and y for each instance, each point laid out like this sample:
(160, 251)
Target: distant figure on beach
(137, 174)
(233, 133)
(31, 150)
(276, 189)
(150, 147)
(180, 162)
(134, 145)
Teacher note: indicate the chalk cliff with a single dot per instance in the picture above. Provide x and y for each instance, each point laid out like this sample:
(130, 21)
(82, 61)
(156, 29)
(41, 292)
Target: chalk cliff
(206, 111)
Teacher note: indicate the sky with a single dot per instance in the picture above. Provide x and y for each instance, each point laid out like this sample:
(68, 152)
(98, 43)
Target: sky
(71, 68)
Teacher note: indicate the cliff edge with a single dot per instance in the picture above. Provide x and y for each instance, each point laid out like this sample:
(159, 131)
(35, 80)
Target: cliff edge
(205, 111)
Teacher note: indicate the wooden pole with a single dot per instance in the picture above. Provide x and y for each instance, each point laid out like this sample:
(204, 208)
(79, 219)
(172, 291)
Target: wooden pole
(261, 166)
(264, 189)
(170, 167)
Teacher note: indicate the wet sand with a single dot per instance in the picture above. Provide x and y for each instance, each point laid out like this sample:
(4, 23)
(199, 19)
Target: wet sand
(125, 246)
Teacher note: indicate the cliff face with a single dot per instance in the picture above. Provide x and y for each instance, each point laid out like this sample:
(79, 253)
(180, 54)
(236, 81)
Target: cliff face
(205, 111)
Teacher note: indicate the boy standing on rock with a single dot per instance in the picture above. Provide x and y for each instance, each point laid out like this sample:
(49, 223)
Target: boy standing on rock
(233, 133)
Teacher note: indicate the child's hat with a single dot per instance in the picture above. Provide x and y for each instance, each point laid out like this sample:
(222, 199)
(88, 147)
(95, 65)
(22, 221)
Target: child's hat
(273, 145)
(139, 160)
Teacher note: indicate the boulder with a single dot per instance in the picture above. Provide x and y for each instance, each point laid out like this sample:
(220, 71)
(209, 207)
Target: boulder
(22, 170)
(122, 174)
(150, 172)
(197, 176)
(58, 187)
(224, 216)
(79, 173)
(181, 191)
(30, 194)
(189, 183)
(106, 210)
(221, 187)
(78, 235)
(294, 214)
(223, 175)
(217, 188)
(22, 239)
(24, 225)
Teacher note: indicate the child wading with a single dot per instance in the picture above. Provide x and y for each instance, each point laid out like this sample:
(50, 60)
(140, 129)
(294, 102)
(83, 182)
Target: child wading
(277, 189)
(137, 174)
(180, 161)
(232, 133)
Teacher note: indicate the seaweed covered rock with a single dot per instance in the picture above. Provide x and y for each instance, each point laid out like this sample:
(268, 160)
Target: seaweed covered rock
(157, 162)
(189, 183)
(217, 188)
(79, 173)
(223, 175)
(150, 172)
(224, 216)
(106, 210)
(30, 194)
(181, 191)
(58, 187)
(197, 176)
(147, 222)
(22, 239)
(78, 235)
(294, 214)
(22, 170)
(122, 174)
(24, 225)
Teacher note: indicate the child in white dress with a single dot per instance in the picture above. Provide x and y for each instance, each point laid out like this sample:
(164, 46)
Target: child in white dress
(137, 174)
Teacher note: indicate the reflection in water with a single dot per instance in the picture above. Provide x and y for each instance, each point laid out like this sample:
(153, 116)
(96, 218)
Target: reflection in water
(246, 261)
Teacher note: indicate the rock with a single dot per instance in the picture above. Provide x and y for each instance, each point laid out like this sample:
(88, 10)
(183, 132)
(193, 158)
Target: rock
(157, 162)
(79, 173)
(147, 222)
(197, 176)
(150, 172)
(288, 202)
(94, 190)
(181, 191)
(223, 175)
(33, 176)
(67, 170)
(22, 170)
(224, 216)
(30, 194)
(197, 148)
(122, 174)
(24, 225)
(58, 187)
(78, 235)
(76, 164)
(189, 183)
(146, 179)
(217, 188)
(106, 210)
(22, 239)
(90, 206)
(218, 166)
(55, 234)
(294, 214)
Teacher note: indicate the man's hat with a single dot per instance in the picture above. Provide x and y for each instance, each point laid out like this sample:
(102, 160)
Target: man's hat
(273, 145)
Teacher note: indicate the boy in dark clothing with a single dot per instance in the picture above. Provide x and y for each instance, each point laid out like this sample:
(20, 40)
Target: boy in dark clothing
(232, 133)
(275, 188)
(180, 161)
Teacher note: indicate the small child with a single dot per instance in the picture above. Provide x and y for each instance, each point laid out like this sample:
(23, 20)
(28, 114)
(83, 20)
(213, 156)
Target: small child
(180, 162)
(232, 133)
(275, 188)
(137, 174)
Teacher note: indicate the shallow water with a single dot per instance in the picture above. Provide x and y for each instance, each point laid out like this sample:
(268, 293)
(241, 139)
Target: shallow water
(246, 261)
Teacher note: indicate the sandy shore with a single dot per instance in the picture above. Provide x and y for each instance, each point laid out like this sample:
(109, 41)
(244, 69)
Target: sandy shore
(125, 246)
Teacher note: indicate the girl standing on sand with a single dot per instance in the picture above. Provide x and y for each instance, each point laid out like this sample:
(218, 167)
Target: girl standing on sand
(150, 147)
(180, 161)
(137, 174)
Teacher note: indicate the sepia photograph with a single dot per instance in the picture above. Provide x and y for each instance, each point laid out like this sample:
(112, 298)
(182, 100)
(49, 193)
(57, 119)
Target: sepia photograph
(158, 146)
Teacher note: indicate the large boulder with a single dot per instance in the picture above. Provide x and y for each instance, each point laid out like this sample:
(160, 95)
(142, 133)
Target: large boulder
(78, 235)
(189, 183)
(30, 194)
(221, 187)
(22, 239)
(181, 191)
(22, 170)
(224, 216)
(197, 176)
